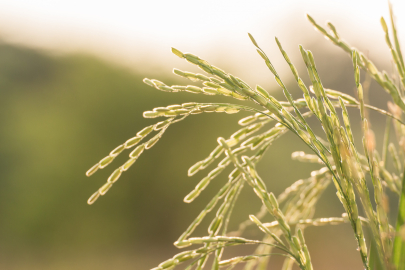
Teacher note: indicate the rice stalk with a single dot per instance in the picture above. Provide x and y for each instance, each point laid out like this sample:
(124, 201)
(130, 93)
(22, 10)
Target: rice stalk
(344, 163)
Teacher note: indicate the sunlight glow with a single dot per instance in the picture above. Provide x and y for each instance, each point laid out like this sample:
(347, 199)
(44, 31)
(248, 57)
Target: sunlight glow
(131, 30)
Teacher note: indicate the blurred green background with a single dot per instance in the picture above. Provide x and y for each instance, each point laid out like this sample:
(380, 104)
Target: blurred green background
(59, 115)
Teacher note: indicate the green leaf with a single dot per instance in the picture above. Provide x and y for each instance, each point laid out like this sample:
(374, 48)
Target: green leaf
(398, 254)
(374, 262)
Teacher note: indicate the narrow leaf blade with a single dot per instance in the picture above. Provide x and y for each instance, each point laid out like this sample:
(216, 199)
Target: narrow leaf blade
(398, 254)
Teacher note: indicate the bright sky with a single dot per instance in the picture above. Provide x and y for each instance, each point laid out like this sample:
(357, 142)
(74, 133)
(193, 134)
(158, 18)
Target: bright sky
(134, 31)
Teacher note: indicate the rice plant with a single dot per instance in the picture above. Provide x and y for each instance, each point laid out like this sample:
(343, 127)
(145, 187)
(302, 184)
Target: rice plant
(349, 167)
